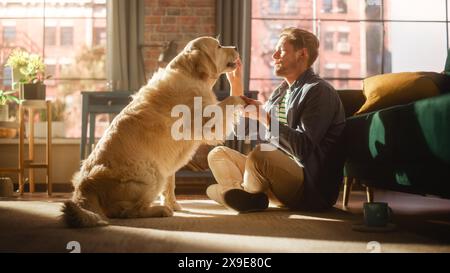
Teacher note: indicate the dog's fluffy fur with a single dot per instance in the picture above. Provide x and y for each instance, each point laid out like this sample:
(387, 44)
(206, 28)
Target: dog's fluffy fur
(136, 159)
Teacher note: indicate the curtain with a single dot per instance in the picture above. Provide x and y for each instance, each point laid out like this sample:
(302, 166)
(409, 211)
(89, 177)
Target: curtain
(125, 67)
(233, 24)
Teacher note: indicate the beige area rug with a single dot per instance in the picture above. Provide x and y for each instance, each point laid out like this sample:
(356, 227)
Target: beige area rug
(203, 226)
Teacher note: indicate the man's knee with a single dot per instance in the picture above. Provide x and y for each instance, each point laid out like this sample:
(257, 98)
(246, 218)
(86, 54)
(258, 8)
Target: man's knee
(216, 153)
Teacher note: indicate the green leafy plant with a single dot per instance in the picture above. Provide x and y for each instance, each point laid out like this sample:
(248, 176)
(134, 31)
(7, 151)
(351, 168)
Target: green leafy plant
(17, 59)
(6, 96)
(34, 72)
(31, 66)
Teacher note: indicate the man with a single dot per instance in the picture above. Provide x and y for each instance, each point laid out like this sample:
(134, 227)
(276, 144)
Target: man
(305, 169)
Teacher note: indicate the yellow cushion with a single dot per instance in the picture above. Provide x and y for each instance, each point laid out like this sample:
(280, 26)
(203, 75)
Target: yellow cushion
(387, 90)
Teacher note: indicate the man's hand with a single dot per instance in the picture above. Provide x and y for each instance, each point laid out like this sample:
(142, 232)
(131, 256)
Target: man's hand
(256, 111)
(235, 80)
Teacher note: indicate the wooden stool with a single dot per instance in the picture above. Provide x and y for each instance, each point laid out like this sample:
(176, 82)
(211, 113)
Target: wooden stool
(28, 163)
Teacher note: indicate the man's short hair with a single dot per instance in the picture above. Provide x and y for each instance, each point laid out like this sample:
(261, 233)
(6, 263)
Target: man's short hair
(301, 38)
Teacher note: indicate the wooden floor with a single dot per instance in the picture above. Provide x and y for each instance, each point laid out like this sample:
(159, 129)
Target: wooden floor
(423, 215)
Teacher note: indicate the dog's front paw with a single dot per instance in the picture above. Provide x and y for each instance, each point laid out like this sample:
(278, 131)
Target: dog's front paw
(175, 206)
(166, 211)
(162, 211)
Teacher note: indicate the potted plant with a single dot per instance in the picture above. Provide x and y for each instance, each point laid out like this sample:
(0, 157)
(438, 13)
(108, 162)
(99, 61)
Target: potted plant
(5, 98)
(32, 74)
(17, 60)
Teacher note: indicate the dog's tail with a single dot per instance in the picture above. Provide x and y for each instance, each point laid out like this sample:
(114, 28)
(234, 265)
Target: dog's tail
(77, 217)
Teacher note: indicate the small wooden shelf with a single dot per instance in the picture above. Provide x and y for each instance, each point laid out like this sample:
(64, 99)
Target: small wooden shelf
(28, 163)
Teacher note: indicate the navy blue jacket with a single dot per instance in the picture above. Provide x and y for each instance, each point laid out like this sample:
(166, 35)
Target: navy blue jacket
(312, 136)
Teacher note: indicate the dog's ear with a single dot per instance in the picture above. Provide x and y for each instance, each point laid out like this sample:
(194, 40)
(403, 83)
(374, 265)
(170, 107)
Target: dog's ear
(202, 65)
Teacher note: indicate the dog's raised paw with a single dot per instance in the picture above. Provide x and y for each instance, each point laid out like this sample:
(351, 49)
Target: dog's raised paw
(238, 101)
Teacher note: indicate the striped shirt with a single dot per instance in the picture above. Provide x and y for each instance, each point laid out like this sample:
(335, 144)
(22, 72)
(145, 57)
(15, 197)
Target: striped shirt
(282, 114)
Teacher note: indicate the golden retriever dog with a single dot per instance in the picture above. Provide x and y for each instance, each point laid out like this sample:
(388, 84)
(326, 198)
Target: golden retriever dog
(137, 157)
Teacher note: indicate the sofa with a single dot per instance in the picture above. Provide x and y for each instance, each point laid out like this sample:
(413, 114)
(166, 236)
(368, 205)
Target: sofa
(404, 147)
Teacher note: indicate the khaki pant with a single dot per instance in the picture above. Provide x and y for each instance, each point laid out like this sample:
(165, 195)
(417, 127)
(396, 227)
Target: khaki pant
(272, 172)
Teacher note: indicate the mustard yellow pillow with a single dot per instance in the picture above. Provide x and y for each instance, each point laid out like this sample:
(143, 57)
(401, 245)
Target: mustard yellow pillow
(387, 90)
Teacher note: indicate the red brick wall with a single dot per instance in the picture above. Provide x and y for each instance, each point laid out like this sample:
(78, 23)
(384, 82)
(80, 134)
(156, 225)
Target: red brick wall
(178, 20)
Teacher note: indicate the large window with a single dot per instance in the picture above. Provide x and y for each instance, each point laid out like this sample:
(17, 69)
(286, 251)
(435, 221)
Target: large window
(359, 38)
(71, 37)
